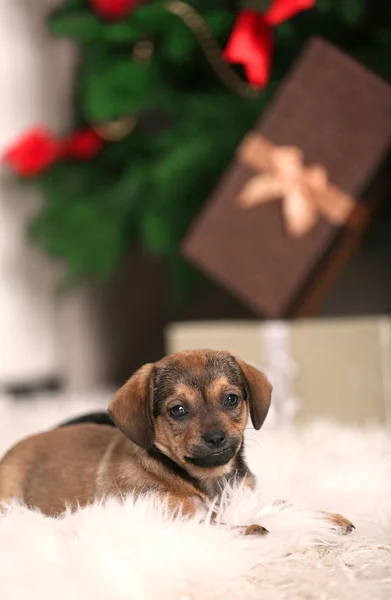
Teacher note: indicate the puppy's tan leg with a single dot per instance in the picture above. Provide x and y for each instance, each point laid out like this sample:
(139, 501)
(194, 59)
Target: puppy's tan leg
(187, 505)
(255, 530)
(191, 505)
(341, 524)
(249, 481)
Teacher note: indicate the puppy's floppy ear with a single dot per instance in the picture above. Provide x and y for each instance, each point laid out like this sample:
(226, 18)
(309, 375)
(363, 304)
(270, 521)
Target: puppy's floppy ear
(131, 408)
(259, 391)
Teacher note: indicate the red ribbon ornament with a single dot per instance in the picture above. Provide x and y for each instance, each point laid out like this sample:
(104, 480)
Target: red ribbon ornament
(33, 153)
(251, 41)
(83, 144)
(38, 149)
(114, 10)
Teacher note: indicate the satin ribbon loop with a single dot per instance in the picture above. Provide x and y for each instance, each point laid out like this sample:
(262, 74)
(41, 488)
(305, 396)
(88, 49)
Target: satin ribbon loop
(305, 191)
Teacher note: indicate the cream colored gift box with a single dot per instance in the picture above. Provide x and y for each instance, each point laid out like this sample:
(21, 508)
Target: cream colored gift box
(336, 368)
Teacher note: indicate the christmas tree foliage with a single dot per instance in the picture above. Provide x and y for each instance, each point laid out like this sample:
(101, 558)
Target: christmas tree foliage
(170, 112)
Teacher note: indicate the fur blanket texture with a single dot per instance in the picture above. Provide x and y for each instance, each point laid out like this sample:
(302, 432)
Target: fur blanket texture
(134, 551)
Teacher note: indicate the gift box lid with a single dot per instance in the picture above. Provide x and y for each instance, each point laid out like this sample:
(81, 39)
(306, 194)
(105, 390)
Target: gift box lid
(339, 115)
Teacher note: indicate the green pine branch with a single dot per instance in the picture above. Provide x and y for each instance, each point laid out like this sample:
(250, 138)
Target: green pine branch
(147, 188)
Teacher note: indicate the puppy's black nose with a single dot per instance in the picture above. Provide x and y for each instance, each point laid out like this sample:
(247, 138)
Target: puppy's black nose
(214, 438)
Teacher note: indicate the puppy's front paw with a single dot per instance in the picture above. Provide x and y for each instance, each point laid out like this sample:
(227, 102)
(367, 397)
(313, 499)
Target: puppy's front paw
(192, 506)
(195, 505)
(256, 530)
(340, 524)
(187, 505)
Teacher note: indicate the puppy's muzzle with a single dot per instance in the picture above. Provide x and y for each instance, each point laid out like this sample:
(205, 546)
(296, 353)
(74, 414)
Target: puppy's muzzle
(216, 450)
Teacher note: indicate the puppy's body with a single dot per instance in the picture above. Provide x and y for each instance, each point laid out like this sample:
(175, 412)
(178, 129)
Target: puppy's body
(110, 465)
(180, 425)
(43, 472)
(175, 428)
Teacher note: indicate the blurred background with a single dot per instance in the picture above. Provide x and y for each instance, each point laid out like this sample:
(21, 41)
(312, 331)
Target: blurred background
(121, 238)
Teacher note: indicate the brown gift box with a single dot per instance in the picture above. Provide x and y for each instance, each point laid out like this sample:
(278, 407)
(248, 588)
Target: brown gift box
(339, 115)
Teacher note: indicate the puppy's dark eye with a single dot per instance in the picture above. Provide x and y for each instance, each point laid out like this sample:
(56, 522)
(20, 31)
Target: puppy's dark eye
(230, 401)
(178, 411)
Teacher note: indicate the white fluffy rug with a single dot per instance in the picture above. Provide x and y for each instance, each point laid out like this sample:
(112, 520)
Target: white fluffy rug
(133, 551)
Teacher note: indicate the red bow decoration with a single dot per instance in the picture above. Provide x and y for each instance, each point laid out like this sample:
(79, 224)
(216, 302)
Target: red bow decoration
(38, 149)
(251, 41)
(83, 144)
(113, 10)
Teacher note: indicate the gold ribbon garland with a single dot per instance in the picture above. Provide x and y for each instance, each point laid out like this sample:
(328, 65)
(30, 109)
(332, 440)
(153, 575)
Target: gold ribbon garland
(211, 49)
(118, 129)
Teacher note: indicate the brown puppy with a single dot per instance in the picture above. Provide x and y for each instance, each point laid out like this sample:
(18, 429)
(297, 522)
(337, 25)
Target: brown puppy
(180, 433)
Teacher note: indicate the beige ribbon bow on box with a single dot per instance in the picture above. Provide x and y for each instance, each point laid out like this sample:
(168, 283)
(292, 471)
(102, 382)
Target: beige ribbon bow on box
(306, 192)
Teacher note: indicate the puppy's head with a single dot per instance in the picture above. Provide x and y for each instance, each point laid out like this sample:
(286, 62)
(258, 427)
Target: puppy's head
(193, 406)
